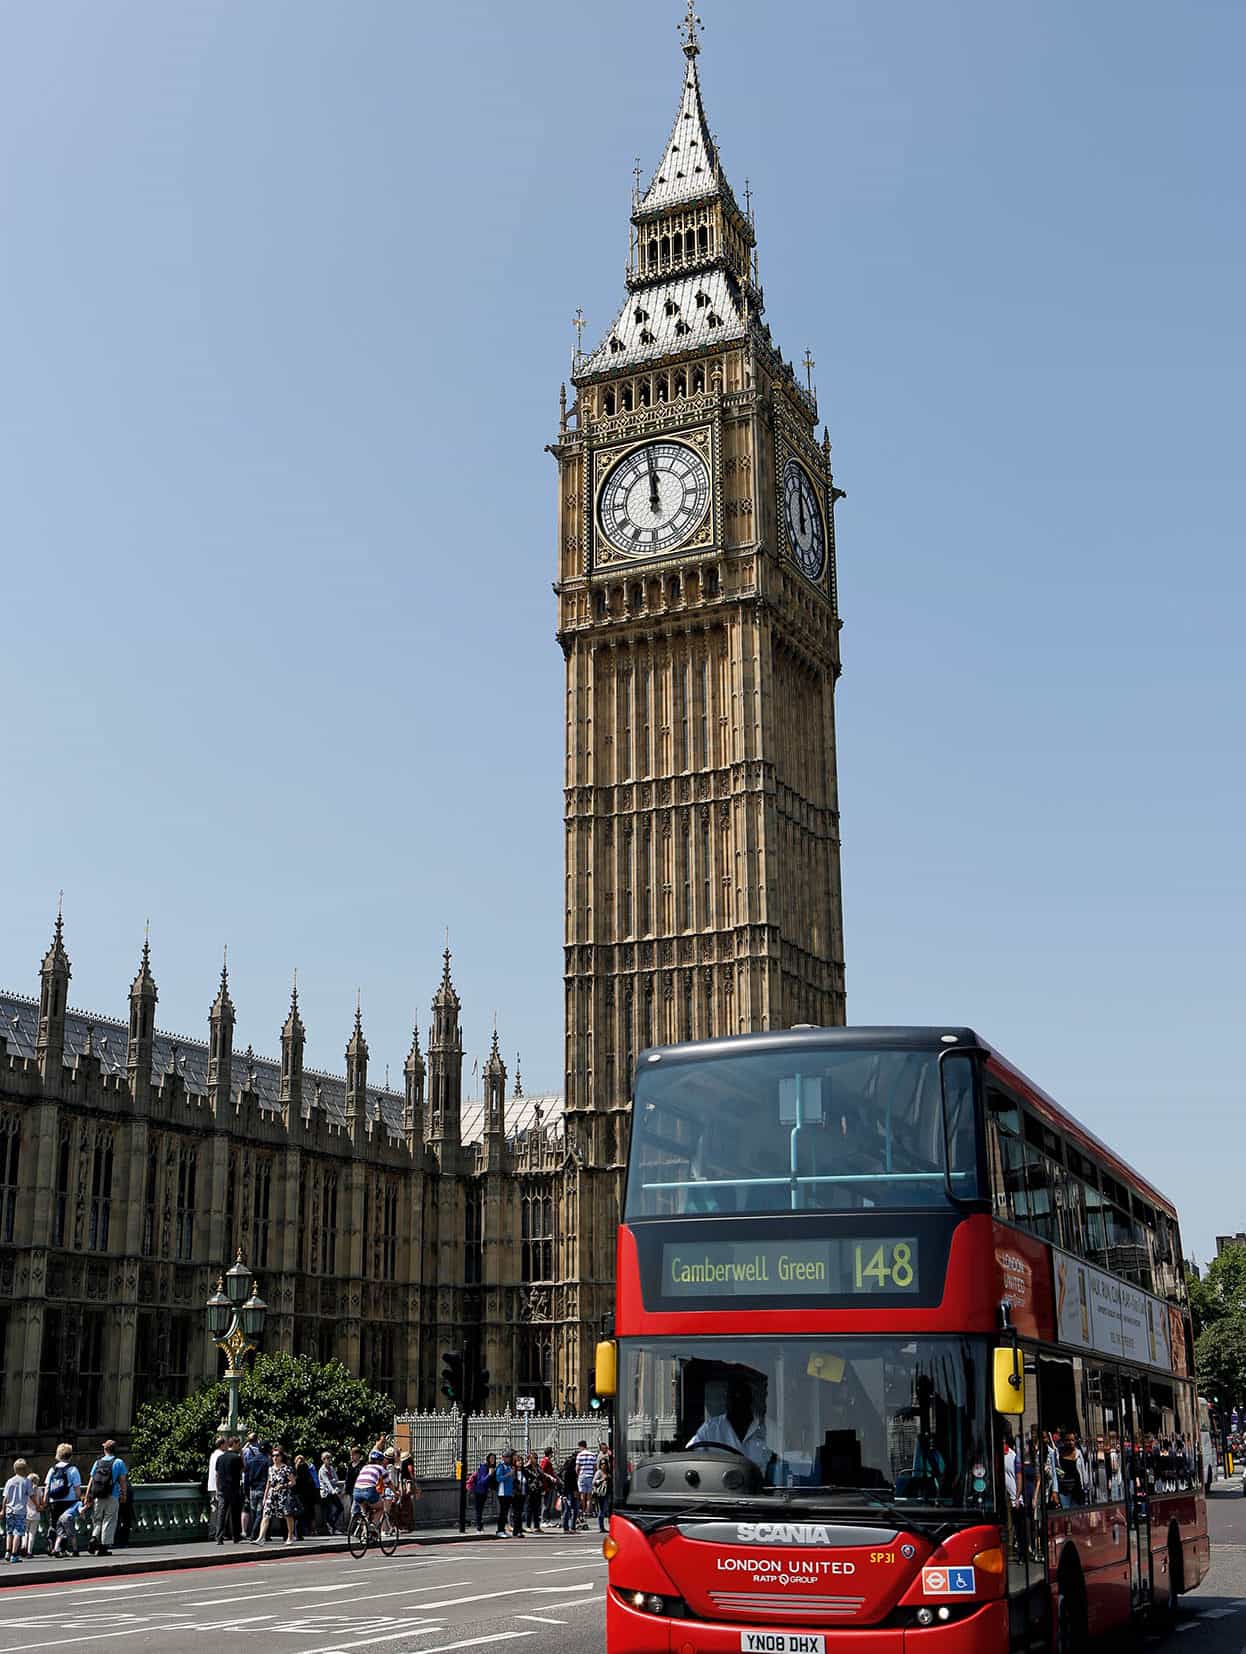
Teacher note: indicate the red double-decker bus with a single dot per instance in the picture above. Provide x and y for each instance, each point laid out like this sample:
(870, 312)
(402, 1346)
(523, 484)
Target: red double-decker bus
(902, 1356)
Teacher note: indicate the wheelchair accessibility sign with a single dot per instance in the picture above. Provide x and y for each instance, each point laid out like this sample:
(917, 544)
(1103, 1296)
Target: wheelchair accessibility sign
(948, 1582)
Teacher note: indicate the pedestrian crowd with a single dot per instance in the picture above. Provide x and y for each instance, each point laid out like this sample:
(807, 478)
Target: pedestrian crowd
(535, 1495)
(63, 1496)
(259, 1490)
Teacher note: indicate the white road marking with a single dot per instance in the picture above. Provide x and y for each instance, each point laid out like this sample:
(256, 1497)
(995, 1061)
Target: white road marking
(442, 1648)
(540, 1619)
(571, 1568)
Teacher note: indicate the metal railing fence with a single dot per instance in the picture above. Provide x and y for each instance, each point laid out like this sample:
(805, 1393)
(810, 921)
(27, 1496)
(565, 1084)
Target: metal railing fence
(432, 1439)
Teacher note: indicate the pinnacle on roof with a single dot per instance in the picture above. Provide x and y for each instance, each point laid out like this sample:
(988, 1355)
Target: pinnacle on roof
(415, 1060)
(495, 1056)
(294, 1023)
(445, 994)
(145, 982)
(358, 1046)
(56, 955)
(689, 169)
(223, 1004)
(518, 1077)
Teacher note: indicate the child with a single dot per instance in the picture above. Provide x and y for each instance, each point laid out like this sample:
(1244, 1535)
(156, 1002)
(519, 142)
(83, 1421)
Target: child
(16, 1493)
(67, 1530)
(34, 1509)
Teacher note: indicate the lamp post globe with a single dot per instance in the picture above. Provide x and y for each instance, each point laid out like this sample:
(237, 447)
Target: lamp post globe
(238, 1283)
(220, 1312)
(252, 1314)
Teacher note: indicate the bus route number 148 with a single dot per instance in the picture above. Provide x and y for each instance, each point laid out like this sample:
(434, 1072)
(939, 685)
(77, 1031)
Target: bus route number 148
(888, 1266)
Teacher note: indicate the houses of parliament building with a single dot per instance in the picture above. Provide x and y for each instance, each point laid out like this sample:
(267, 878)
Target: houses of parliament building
(697, 615)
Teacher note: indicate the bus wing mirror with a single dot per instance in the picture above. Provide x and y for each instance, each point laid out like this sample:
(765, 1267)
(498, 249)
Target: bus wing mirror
(604, 1368)
(1009, 1380)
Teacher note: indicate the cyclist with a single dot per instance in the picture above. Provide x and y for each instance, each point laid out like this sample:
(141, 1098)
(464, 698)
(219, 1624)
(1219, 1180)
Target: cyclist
(372, 1486)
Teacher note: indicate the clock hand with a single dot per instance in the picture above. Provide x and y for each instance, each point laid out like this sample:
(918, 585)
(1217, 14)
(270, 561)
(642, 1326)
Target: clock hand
(800, 501)
(655, 502)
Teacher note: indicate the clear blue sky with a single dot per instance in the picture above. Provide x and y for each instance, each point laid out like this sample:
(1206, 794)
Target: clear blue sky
(285, 300)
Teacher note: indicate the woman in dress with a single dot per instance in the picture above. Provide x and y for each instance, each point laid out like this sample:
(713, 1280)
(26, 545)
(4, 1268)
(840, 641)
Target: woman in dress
(280, 1499)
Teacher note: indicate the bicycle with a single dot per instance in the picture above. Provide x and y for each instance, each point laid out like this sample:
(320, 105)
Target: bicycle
(364, 1528)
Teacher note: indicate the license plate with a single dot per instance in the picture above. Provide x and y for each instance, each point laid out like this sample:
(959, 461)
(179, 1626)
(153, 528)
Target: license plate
(781, 1642)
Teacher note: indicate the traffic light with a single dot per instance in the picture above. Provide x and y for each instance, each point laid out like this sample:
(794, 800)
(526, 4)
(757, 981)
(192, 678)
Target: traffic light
(594, 1402)
(452, 1375)
(480, 1388)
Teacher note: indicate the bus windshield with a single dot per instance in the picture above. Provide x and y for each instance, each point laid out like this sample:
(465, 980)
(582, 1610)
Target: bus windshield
(801, 1129)
(893, 1419)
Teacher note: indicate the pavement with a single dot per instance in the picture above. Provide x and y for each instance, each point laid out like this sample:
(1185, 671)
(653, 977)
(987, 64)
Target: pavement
(145, 1559)
(451, 1594)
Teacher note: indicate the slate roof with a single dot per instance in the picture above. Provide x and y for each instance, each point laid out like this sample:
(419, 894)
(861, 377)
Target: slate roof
(689, 169)
(19, 1025)
(668, 317)
(520, 1116)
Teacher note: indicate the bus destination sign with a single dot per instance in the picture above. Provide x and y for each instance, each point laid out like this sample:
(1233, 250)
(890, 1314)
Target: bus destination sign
(839, 1267)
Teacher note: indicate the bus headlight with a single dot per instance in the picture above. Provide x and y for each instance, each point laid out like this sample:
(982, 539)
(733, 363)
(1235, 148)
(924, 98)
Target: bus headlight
(925, 1616)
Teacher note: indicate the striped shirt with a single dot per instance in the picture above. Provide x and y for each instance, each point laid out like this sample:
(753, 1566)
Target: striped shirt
(585, 1466)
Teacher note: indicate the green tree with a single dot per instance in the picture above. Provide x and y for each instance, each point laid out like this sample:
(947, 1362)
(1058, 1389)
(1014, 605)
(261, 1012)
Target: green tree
(1222, 1290)
(289, 1399)
(1220, 1355)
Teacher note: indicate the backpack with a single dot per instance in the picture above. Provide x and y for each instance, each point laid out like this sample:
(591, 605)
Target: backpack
(101, 1478)
(471, 1482)
(58, 1482)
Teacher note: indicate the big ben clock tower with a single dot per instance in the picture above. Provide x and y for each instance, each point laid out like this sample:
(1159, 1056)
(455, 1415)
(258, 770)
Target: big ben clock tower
(697, 614)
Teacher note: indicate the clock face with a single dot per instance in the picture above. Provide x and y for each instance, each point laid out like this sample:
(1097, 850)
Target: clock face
(805, 533)
(654, 498)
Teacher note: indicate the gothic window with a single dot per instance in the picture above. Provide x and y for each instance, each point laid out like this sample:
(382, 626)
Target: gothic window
(629, 1035)
(681, 378)
(698, 380)
(677, 245)
(474, 1224)
(663, 390)
(703, 239)
(389, 1233)
(706, 914)
(60, 1196)
(646, 1030)
(101, 1192)
(642, 713)
(681, 696)
(702, 298)
(536, 1365)
(642, 389)
(231, 1206)
(379, 1353)
(646, 881)
(150, 1197)
(537, 1239)
(10, 1152)
(625, 397)
(665, 246)
(328, 1222)
(625, 882)
(703, 700)
(653, 254)
(263, 1205)
(609, 402)
(90, 1360)
(714, 319)
(671, 308)
(641, 314)
(616, 345)
(625, 722)
(184, 1227)
(684, 877)
(681, 327)
(686, 1032)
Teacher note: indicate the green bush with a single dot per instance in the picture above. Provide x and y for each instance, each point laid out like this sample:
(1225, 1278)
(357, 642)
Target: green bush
(290, 1399)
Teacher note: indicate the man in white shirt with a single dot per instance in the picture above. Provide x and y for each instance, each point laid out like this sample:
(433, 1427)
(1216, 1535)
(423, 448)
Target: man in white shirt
(218, 1447)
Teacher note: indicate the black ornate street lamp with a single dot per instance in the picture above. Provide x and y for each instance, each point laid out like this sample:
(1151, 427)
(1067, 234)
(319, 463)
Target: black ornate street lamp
(236, 1315)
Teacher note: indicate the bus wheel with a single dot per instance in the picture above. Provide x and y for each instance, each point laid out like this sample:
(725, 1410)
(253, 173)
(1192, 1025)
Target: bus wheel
(1071, 1633)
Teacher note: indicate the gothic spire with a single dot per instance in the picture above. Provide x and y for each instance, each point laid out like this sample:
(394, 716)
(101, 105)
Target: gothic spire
(294, 1022)
(689, 169)
(223, 1004)
(144, 982)
(56, 958)
(445, 994)
(358, 1046)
